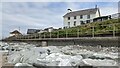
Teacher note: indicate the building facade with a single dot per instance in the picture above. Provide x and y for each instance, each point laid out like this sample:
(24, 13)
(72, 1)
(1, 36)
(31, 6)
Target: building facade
(32, 31)
(102, 18)
(50, 29)
(76, 18)
(15, 33)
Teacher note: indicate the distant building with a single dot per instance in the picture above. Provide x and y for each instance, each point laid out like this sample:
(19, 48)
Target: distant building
(75, 18)
(50, 29)
(32, 31)
(102, 18)
(41, 31)
(15, 33)
(115, 16)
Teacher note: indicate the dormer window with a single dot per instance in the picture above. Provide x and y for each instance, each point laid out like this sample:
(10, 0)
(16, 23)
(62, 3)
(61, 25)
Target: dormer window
(68, 18)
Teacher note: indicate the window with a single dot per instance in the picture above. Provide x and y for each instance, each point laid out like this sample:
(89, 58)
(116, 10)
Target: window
(88, 16)
(68, 24)
(74, 17)
(68, 18)
(88, 21)
(82, 22)
(81, 16)
(74, 23)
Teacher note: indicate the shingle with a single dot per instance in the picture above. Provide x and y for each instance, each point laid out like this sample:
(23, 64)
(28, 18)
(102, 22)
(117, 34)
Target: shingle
(81, 12)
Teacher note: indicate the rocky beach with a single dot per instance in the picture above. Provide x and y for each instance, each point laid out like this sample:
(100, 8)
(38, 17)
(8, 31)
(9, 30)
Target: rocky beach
(24, 54)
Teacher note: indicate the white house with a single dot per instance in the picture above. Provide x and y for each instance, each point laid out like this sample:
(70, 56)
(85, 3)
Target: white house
(75, 18)
(15, 33)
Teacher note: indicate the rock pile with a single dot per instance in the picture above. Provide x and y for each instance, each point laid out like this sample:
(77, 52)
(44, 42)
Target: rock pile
(75, 55)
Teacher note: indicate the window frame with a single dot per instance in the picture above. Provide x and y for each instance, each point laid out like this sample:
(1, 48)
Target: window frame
(81, 16)
(74, 23)
(68, 18)
(87, 21)
(75, 17)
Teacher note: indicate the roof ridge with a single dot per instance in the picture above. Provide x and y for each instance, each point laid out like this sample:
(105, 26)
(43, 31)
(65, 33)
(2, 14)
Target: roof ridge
(85, 9)
(81, 12)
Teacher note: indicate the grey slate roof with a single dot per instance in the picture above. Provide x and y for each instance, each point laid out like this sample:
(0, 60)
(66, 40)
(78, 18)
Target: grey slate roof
(32, 31)
(81, 12)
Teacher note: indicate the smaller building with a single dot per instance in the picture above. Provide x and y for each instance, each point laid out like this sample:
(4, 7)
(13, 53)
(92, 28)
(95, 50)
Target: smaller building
(115, 16)
(15, 33)
(50, 29)
(102, 18)
(32, 31)
(41, 31)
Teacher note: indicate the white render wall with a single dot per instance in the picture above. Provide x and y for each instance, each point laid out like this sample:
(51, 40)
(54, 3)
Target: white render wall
(77, 20)
(92, 16)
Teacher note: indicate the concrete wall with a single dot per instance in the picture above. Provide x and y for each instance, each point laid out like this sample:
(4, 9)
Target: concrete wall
(93, 42)
(85, 41)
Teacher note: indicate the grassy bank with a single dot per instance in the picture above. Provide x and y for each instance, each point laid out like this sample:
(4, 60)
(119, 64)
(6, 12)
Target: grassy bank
(98, 28)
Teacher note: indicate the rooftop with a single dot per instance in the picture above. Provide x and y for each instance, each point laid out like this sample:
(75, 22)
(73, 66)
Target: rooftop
(15, 32)
(81, 12)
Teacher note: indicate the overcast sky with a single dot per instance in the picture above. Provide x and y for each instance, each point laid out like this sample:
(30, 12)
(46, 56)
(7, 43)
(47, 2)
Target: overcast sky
(40, 15)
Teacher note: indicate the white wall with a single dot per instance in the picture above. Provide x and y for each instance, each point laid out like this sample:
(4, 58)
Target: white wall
(77, 20)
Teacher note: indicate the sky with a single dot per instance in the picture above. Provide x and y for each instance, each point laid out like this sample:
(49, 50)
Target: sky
(40, 15)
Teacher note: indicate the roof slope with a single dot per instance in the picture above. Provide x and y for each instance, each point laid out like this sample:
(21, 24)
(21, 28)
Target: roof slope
(81, 12)
(15, 32)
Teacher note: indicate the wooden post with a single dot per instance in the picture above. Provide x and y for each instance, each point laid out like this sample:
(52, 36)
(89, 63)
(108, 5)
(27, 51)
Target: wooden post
(44, 35)
(58, 34)
(50, 34)
(78, 33)
(81, 31)
(40, 35)
(28, 37)
(66, 33)
(113, 30)
(93, 31)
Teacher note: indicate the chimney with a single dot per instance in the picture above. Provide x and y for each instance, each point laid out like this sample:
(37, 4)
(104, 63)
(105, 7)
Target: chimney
(95, 6)
(69, 10)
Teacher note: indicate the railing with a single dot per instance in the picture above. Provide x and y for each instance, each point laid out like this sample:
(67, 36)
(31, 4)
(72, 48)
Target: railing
(76, 32)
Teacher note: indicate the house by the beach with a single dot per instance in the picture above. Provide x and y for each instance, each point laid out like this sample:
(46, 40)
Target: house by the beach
(75, 18)
(15, 33)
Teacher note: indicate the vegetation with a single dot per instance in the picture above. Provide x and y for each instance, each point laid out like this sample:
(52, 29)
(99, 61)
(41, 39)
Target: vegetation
(96, 28)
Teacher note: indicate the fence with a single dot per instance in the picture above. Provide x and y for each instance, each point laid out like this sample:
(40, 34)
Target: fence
(92, 31)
